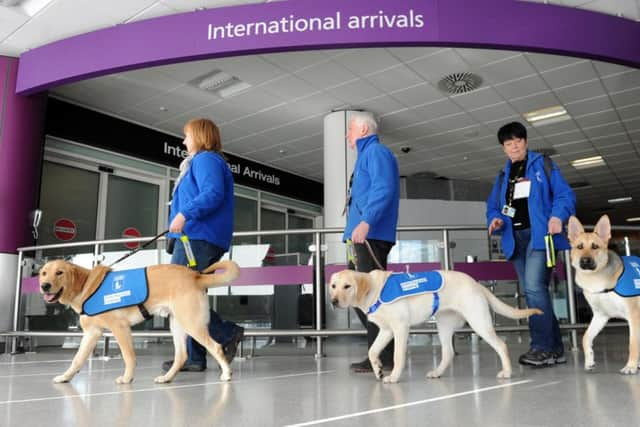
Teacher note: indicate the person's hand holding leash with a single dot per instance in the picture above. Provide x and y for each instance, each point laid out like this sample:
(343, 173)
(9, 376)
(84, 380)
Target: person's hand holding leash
(496, 223)
(359, 234)
(555, 225)
(177, 225)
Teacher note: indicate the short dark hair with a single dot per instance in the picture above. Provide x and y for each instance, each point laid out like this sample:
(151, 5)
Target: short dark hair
(511, 131)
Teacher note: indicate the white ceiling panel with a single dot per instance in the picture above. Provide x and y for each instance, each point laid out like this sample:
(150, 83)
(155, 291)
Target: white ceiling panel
(435, 110)
(607, 68)
(477, 98)
(493, 112)
(59, 20)
(155, 10)
(518, 88)
(381, 105)
(535, 102)
(570, 75)
(363, 61)
(251, 69)
(543, 62)
(581, 91)
(630, 112)
(354, 92)
(417, 95)
(626, 98)
(566, 137)
(295, 61)
(587, 106)
(516, 67)
(596, 119)
(10, 20)
(624, 81)
(326, 74)
(604, 130)
(436, 66)
(479, 57)
(288, 87)
(395, 78)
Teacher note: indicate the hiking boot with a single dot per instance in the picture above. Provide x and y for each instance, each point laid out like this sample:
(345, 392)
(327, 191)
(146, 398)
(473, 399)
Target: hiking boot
(231, 348)
(187, 367)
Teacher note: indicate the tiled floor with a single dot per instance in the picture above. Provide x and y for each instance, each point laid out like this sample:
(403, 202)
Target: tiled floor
(284, 385)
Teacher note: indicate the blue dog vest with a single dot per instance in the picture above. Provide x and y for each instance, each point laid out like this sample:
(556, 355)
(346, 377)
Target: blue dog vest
(119, 289)
(402, 285)
(628, 284)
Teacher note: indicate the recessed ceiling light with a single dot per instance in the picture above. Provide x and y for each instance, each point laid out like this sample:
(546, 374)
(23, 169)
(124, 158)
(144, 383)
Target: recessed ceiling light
(546, 116)
(588, 162)
(164, 108)
(633, 219)
(620, 199)
(282, 151)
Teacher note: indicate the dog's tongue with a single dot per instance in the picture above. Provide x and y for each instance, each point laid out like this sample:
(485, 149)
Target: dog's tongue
(49, 297)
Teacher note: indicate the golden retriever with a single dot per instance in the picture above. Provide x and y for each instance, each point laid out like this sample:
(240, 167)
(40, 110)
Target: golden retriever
(173, 289)
(597, 272)
(461, 298)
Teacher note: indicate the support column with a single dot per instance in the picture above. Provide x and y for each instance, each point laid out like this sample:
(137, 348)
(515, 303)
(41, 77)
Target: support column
(21, 141)
(338, 165)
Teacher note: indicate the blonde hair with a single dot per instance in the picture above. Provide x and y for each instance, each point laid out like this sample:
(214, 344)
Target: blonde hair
(205, 134)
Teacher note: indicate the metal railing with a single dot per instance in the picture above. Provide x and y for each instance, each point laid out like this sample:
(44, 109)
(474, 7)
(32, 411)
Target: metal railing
(316, 249)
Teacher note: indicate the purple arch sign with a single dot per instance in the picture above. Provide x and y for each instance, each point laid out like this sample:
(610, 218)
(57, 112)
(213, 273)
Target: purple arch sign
(313, 24)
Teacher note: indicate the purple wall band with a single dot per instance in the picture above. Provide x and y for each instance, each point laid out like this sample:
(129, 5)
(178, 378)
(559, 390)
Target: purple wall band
(499, 24)
(21, 140)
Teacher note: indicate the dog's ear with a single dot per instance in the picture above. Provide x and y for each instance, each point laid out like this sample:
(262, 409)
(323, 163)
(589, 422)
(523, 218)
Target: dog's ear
(575, 228)
(362, 285)
(603, 228)
(78, 277)
(96, 276)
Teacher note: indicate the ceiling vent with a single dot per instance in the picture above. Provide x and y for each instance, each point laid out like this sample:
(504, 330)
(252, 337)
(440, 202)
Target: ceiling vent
(458, 83)
(220, 83)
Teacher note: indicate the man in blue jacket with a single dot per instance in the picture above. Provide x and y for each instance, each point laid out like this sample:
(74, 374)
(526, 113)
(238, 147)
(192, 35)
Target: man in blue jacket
(529, 200)
(372, 203)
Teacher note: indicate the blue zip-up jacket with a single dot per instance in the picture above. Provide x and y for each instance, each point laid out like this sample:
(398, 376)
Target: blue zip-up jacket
(205, 198)
(547, 198)
(375, 191)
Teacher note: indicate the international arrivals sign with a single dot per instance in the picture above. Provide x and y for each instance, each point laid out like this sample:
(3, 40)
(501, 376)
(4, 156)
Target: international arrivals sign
(330, 24)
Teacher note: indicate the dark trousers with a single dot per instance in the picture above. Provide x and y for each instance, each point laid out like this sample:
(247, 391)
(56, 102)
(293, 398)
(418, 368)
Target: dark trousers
(365, 263)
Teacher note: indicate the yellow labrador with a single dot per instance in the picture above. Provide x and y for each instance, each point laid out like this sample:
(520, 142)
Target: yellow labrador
(597, 273)
(460, 298)
(173, 289)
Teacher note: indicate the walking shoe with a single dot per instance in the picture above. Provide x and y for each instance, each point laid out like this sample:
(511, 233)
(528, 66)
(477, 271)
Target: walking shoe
(538, 358)
(365, 366)
(187, 367)
(232, 346)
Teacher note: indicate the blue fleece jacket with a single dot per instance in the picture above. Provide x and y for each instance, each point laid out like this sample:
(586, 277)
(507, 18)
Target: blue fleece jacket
(375, 191)
(547, 198)
(205, 198)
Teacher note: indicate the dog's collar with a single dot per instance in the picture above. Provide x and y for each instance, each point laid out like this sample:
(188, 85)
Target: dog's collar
(605, 291)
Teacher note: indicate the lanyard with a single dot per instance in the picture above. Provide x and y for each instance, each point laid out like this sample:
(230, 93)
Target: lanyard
(347, 201)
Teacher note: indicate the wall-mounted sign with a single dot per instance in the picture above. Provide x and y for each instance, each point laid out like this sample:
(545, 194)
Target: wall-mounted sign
(64, 229)
(74, 123)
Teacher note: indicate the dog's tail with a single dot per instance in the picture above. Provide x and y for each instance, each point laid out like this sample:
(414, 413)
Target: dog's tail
(231, 272)
(506, 310)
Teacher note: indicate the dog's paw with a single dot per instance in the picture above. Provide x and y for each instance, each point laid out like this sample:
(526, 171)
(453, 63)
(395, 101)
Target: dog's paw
(124, 380)
(629, 370)
(504, 374)
(61, 379)
(433, 374)
(162, 379)
(589, 366)
(390, 379)
(225, 376)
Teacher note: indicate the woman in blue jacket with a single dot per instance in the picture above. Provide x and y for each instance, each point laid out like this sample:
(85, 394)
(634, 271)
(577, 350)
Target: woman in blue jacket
(202, 208)
(529, 200)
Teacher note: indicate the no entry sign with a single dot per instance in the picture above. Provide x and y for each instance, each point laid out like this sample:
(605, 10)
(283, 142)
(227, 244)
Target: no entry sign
(64, 229)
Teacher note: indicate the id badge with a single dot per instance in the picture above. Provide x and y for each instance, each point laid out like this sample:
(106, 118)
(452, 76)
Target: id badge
(522, 189)
(508, 211)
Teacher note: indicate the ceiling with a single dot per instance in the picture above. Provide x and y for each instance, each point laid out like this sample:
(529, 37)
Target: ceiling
(278, 120)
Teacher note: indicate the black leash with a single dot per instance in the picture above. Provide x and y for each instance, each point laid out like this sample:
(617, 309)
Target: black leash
(375, 259)
(140, 247)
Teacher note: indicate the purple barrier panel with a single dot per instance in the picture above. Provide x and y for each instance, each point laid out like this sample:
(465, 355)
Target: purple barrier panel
(30, 285)
(488, 270)
(276, 275)
(499, 270)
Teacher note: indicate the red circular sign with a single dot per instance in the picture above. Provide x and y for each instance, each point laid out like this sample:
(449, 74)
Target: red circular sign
(64, 229)
(131, 232)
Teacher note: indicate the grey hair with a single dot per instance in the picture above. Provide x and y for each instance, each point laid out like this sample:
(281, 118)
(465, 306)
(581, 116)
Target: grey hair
(366, 118)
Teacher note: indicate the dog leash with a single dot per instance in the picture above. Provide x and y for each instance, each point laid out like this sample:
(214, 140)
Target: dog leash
(139, 247)
(550, 250)
(354, 259)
